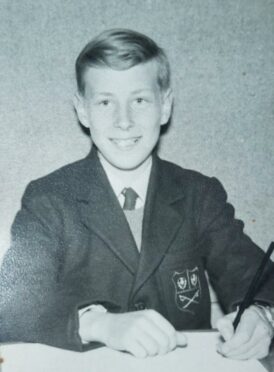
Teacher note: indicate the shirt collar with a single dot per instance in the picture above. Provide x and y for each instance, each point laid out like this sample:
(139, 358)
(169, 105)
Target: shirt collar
(138, 180)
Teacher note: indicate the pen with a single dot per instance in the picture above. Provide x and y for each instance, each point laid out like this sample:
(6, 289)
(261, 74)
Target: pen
(253, 286)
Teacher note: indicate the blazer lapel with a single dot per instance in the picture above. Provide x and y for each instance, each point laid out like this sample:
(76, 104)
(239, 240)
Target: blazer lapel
(102, 214)
(163, 216)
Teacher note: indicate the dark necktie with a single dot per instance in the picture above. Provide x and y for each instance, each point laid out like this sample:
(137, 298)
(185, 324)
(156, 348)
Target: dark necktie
(130, 198)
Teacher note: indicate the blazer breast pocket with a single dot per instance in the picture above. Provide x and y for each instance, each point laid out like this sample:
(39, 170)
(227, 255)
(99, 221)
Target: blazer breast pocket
(185, 289)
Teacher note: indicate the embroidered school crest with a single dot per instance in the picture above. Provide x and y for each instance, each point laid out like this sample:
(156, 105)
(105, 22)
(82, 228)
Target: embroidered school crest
(187, 289)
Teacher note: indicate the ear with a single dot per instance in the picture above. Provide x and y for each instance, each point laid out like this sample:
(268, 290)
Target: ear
(167, 102)
(79, 106)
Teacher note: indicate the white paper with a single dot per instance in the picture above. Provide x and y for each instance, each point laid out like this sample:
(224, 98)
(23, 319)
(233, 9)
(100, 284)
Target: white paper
(199, 356)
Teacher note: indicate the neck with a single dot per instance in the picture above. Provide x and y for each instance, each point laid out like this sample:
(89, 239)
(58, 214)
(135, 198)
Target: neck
(126, 175)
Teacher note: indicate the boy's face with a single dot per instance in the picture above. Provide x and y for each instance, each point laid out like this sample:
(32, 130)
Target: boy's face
(124, 111)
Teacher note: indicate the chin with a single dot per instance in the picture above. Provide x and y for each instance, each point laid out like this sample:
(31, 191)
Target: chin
(128, 165)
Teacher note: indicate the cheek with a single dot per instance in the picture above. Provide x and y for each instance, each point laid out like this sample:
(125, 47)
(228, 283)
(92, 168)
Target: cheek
(100, 121)
(151, 116)
(151, 135)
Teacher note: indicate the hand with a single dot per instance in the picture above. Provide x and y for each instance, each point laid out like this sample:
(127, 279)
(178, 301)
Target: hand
(252, 337)
(142, 333)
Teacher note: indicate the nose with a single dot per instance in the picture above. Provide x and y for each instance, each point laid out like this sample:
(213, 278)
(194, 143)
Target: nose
(123, 118)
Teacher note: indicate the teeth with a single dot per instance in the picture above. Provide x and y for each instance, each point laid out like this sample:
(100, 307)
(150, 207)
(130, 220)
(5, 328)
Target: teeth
(124, 143)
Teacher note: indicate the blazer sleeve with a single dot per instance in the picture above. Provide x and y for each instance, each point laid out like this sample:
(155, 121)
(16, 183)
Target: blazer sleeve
(34, 307)
(231, 258)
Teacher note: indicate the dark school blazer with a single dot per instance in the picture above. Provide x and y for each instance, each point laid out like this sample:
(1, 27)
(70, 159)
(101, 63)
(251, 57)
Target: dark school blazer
(72, 246)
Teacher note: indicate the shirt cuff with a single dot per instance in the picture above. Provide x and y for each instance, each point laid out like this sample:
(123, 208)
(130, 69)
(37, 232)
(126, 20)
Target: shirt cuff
(95, 308)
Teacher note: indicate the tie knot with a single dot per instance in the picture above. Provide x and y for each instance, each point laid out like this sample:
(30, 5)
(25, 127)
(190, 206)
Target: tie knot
(130, 198)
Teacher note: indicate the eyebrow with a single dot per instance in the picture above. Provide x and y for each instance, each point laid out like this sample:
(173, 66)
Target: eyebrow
(106, 94)
(137, 91)
(141, 90)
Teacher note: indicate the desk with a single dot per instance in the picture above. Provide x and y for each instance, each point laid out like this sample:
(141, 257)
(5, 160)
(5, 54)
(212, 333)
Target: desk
(200, 355)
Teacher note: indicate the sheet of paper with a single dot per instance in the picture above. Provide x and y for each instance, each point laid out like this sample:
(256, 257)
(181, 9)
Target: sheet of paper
(200, 355)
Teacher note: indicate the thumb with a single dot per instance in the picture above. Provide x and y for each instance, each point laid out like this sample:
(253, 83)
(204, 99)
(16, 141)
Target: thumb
(181, 339)
(225, 327)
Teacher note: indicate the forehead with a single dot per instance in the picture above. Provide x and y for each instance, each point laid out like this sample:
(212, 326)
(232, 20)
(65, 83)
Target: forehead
(104, 79)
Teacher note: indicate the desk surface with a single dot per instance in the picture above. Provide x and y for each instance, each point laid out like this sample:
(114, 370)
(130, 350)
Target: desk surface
(200, 355)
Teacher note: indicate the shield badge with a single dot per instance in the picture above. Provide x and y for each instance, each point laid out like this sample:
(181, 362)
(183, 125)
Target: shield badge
(187, 289)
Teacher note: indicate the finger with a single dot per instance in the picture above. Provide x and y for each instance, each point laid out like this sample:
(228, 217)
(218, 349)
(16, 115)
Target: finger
(243, 336)
(258, 351)
(260, 343)
(162, 324)
(161, 340)
(225, 326)
(136, 349)
(176, 338)
(140, 343)
(181, 339)
(149, 343)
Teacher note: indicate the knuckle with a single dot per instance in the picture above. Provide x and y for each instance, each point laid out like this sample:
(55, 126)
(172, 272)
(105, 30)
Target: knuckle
(163, 351)
(172, 344)
(172, 335)
(140, 353)
(165, 345)
(150, 346)
(153, 351)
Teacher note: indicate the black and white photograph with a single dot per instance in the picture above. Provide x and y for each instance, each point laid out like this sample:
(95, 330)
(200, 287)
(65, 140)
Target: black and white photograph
(137, 186)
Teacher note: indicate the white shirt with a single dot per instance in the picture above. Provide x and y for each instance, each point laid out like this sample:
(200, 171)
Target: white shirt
(137, 179)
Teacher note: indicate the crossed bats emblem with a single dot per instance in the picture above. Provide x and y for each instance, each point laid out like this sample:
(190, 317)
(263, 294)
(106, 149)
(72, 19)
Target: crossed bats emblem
(187, 288)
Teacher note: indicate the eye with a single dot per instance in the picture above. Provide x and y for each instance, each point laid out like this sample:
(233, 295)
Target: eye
(140, 100)
(140, 103)
(104, 102)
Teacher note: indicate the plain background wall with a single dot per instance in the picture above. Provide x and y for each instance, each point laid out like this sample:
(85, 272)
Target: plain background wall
(222, 57)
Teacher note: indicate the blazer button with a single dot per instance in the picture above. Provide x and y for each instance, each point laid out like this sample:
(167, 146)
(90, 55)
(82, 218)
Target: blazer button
(139, 306)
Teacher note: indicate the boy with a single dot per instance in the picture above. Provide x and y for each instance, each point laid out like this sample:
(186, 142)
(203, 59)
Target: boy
(113, 249)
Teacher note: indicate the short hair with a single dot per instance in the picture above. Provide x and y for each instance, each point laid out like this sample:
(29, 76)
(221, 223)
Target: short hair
(121, 49)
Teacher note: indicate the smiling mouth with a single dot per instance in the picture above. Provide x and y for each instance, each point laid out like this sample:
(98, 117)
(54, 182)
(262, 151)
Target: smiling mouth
(125, 144)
